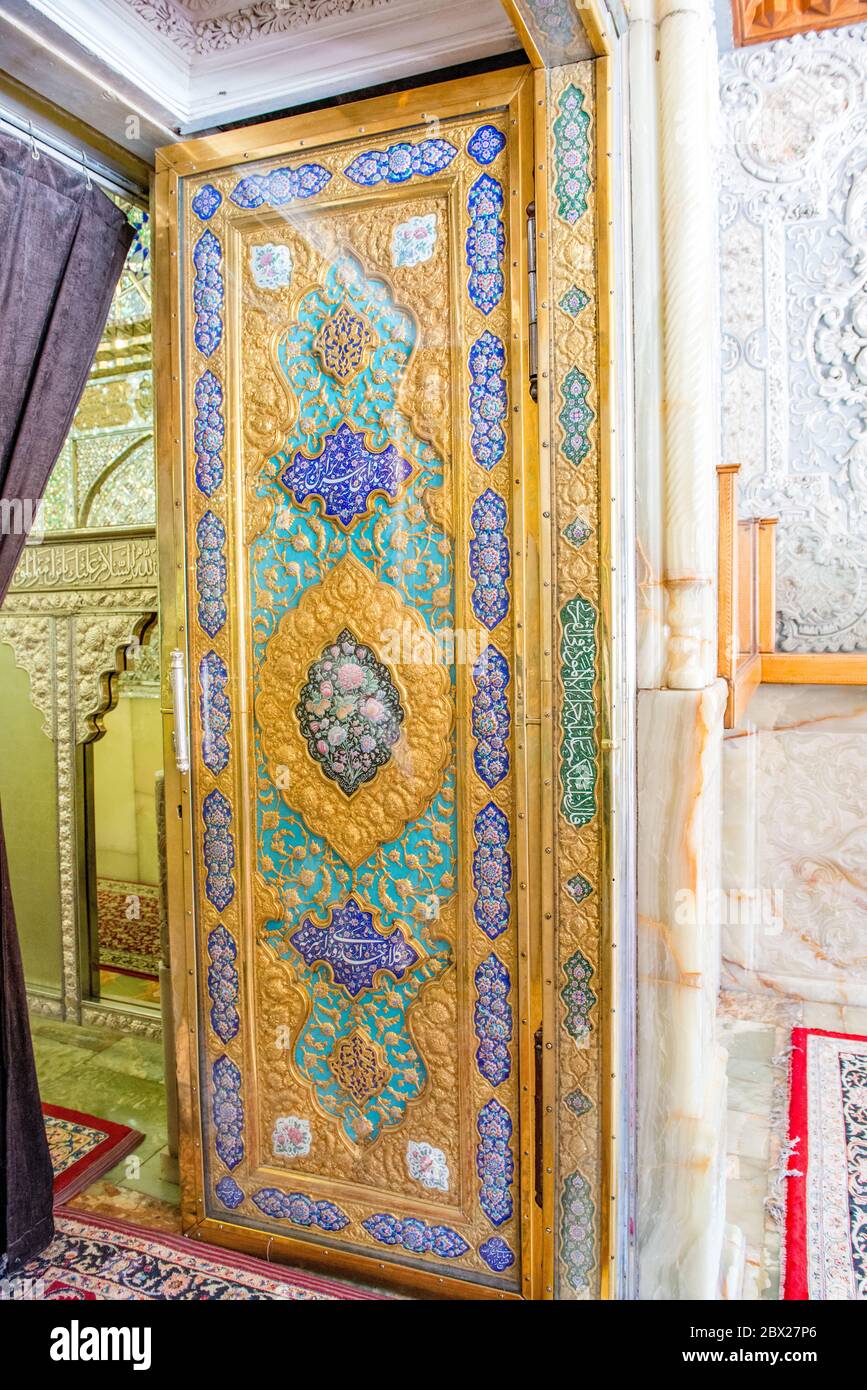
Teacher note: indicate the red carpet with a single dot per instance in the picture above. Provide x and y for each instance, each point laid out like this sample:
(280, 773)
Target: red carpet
(826, 1215)
(94, 1259)
(82, 1148)
(129, 928)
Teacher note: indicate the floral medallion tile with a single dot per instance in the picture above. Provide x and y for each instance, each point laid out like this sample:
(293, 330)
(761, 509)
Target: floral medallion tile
(206, 201)
(577, 532)
(574, 300)
(349, 713)
(292, 1137)
(427, 1165)
(485, 144)
(414, 241)
(271, 266)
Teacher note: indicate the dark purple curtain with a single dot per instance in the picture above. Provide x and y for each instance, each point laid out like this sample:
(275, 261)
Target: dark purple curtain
(62, 248)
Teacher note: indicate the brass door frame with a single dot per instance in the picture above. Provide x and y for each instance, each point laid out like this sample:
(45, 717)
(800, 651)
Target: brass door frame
(511, 88)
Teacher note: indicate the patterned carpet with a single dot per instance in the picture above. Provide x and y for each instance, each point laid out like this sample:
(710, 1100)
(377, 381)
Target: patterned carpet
(83, 1147)
(826, 1220)
(98, 1259)
(129, 928)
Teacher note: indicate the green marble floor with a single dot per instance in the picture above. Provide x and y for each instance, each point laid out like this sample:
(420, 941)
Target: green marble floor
(115, 1077)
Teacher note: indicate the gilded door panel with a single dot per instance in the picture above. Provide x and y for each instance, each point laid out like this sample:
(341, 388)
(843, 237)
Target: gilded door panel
(349, 326)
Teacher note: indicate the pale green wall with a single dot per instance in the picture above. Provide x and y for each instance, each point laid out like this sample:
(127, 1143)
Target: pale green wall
(28, 796)
(125, 763)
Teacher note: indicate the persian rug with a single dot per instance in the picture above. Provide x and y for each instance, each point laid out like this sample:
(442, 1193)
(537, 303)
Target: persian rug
(83, 1148)
(94, 1259)
(826, 1215)
(129, 928)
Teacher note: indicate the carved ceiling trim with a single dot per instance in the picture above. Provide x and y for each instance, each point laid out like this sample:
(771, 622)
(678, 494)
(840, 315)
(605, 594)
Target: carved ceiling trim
(218, 32)
(756, 21)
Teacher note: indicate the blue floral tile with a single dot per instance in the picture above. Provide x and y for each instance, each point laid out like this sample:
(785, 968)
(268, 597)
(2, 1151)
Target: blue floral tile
(209, 432)
(494, 1162)
(415, 1236)
(280, 186)
(492, 1020)
(215, 712)
(223, 983)
(211, 573)
(300, 1209)
(218, 850)
(206, 201)
(486, 243)
(485, 144)
(227, 1110)
(400, 162)
(488, 400)
(490, 559)
(208, 294)
(492, 871)
(491, 719)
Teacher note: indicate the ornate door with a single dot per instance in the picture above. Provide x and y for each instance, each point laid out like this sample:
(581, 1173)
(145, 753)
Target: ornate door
(347, 306)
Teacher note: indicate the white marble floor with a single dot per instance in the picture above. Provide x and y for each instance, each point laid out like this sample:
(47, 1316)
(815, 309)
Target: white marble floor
(756, 1031)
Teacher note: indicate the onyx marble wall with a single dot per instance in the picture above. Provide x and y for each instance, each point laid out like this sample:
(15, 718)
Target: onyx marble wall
(795, 846)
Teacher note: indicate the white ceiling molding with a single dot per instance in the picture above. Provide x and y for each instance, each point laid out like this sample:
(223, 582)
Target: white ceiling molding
(206, 62)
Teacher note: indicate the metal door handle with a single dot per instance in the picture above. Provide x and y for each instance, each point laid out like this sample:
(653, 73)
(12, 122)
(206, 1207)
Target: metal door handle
(178, 681)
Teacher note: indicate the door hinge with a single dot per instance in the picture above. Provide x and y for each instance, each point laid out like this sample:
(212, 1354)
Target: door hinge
(537, 1054)
(533, 325)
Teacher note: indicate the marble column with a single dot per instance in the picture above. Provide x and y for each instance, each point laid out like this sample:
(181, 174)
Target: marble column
(681, 1065)
(690, 318)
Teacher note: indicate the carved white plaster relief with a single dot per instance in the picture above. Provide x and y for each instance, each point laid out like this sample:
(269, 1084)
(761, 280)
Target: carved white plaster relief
(793, 234)
(201, 26)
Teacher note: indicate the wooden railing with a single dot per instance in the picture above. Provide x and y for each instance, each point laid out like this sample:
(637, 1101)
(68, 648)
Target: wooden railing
(747, 613)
